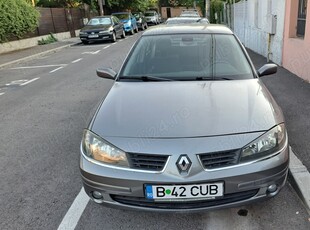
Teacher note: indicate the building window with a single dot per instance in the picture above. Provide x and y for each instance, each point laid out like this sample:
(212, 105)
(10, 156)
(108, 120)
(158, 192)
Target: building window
(301, 20)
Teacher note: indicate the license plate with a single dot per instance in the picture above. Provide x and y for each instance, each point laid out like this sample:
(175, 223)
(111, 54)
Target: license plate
(93, 36)
(171, 192)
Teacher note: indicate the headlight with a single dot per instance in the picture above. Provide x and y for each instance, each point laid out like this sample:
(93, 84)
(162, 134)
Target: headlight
(265, 145)
(83, 33)
(96, 148)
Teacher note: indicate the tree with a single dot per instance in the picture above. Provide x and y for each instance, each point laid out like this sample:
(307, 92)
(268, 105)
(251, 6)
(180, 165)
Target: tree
(17, 17)
(59, 3)
(140, 5)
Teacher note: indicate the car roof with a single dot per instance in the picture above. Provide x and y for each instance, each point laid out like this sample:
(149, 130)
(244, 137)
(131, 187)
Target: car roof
(188, 29)
(121, 13)
(105, 16)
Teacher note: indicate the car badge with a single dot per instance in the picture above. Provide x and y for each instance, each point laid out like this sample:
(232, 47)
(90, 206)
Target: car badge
(92, 32)
(184, 164)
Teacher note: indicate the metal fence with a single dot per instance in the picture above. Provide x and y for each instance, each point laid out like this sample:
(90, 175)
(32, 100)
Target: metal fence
(57, 20)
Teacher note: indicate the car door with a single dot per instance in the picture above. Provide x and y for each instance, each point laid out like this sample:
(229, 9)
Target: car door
(118, 26)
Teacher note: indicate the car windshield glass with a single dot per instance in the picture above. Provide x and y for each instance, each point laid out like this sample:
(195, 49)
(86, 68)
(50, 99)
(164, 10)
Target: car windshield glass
(188, 57)
(122, 16)
(99, 21)
(149, 14)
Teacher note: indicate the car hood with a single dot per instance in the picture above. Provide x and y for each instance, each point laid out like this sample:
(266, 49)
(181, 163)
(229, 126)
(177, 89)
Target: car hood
(186, 109)
(95, 27)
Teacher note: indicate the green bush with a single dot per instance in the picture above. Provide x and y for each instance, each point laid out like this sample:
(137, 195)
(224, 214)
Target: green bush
(48, 40)
(17, 17)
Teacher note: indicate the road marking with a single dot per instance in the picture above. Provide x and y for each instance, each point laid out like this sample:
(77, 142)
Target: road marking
(32, 80)
(56, 69)
(120, 40)
(40, 66)
(106, 47)
(16, 82)
(2, 94)
(75, 212)
(77, 60)
(95, 52)
(126, 38)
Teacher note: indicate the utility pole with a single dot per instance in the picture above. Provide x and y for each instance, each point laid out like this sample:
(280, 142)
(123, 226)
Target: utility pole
(100, 3)
(33, 3)
(208, 6)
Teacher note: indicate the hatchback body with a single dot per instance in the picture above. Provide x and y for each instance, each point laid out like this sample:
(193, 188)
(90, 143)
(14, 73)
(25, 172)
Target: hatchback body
(187, 126)
(130, 22)
(102, 29)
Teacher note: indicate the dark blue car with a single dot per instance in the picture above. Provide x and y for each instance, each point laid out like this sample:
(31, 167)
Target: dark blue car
(130, 22)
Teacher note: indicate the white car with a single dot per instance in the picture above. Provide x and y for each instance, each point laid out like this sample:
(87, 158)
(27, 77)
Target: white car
(152, 17)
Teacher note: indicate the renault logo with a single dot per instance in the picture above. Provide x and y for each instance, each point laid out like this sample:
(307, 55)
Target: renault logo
(184, 164)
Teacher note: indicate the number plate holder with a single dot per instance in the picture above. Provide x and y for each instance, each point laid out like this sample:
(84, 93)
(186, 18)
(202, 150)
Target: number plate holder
(184, 192)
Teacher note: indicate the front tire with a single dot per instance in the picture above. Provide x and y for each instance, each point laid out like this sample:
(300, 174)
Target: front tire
(85, 42)
(113, 37)
(123, 34)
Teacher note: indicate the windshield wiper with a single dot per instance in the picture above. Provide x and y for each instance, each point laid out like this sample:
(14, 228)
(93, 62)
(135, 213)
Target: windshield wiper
(212, 78)
(146, 78)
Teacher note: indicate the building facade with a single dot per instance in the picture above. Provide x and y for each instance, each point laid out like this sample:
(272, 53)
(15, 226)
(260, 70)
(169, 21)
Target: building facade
(259, 24)
(296, 47)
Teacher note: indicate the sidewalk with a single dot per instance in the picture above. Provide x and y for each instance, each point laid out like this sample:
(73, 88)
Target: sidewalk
(33, 52)
(290, 92)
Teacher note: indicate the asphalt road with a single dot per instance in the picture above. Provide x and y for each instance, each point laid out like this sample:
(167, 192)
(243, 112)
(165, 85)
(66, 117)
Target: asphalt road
(45, 104)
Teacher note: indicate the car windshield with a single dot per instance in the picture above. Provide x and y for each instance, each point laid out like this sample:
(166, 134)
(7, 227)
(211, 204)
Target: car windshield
(122, 16)
(99, 21)
(187, 57)
(149, 14)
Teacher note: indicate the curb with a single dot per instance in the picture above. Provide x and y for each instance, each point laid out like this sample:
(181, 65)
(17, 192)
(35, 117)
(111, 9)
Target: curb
(36, 55)
(300, 179)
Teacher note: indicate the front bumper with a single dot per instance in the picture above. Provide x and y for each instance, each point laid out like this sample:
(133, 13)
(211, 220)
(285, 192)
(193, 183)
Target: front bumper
(98, 37)
(243, 184)
(151, 21)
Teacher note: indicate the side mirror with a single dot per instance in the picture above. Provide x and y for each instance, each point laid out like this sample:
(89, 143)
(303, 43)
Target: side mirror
(107, 73)
(267, 69)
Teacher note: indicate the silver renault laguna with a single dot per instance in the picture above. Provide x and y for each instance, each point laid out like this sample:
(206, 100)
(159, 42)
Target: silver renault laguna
(187, 126)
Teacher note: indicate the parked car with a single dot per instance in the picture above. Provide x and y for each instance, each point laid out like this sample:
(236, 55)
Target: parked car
(152, 17)
(204, 21)
(102, 28)
(189, 13)
(182, 20)
(141, 20)
(188, 125)
(130, 22)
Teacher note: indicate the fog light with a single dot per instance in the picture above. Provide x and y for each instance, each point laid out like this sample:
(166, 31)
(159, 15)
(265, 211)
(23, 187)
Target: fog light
(97, 195)
(272, 188)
